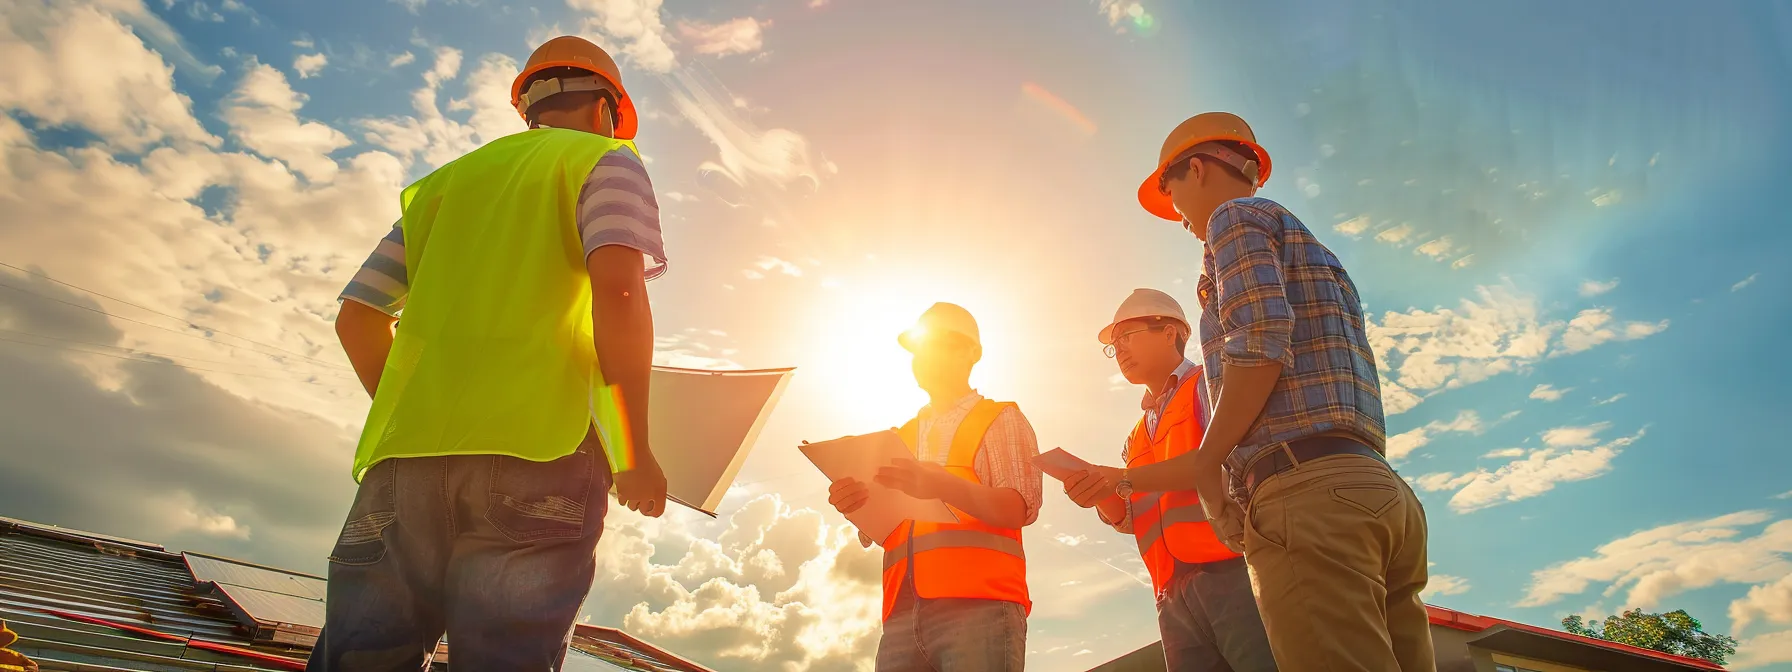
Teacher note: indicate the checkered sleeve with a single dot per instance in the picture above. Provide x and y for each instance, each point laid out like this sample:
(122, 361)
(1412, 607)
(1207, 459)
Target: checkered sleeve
(381, 282)
(1250, 285)
(1006, 459)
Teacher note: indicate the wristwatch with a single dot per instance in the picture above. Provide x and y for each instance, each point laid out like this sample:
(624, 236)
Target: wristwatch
(1124, 487)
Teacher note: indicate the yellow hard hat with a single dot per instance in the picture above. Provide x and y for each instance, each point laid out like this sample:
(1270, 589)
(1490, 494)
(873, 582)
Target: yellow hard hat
(568, 51)
(1199, 129)
(1143, 303)
(942, 318)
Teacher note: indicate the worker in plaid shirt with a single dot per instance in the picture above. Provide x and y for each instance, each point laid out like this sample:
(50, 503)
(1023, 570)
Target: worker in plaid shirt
(1291, 470)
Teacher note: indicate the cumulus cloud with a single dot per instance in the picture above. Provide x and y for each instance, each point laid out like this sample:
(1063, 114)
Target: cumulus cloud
(743, 35)
(1547, 392)
(1770, 603)
(263, 115)
(1438, 248)
(402, 60)
(1353, 227)
(1399, 446)
(488, 98)
(1499, 331)
(1504, 453)
(308, 65)
(1396, 235)
(1574, 454)
(1441, 585)
(427, 134)
(1649, 566)
(635, 25)
(1590, 288)
(131, 104)
(1763, 650)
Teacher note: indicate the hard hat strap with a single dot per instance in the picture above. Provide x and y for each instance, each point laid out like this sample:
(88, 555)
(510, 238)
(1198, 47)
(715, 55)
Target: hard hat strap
(543, 89)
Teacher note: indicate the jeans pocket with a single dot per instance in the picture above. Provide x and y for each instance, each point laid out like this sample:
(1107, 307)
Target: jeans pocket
(531, 501)
(1265, 524)
(363, 537)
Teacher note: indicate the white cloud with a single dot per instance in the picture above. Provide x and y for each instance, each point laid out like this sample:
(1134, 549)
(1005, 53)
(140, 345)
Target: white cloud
(488, 97)
(1396, 235)
(773, 263)
(1441, 585)
(636, 25)
(1572, 455)
(413, 6)
(743, 35)
(402, 60)
(1590, 288)
(1352, 227)
(1439, 249)
(1745, 282)
(1401, 445)
(1652, 565)
(1547, 392)
(1464, 262)
(1595, 326)
(428, 135)
(263, 115)
(308, 65)
(1784, 495)
(686, 351)
(1611, 399)
(1761, 650)
(1499, 331)
(50, 50)
(779, 155)
(1770, 603)
(678, 197)
(1504, 453)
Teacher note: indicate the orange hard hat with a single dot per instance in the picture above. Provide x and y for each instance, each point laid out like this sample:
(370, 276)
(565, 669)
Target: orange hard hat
(1199, 129)
(569, 51)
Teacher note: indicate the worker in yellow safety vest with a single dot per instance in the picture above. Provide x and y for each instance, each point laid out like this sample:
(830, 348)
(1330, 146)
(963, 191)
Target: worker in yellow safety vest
(1206, 611)
(520, 269)
(955, 594)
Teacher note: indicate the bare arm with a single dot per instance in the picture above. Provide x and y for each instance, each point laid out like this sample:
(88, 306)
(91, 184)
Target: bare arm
(366, 336)
(1001, 507)
(1114, 508)
(624, 333)
(1246, 390)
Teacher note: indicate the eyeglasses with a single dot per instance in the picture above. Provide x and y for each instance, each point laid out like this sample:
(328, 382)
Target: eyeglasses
(1113, 348)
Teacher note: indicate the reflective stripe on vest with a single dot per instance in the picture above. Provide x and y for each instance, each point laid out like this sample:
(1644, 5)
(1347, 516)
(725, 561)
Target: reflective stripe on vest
(493, 354)
(1171, 526)
(968, 559)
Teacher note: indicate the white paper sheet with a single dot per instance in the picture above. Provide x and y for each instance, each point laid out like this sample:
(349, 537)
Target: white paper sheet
(859, 457)
(1060, 464)
(702, 424)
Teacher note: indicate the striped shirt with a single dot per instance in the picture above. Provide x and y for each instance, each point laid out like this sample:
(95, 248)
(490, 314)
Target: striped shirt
(1004, 460)
(616, 207)
(1271, 293)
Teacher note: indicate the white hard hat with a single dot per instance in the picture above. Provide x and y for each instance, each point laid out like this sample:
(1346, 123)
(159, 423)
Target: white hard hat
(1143, 303)
(941, 318)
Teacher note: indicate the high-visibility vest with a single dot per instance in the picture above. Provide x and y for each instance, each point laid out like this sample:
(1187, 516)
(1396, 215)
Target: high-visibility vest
(493, 354)
(967, 559)
(1171, 526)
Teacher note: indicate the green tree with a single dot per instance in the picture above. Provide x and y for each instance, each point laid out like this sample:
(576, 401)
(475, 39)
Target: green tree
(1675, 632)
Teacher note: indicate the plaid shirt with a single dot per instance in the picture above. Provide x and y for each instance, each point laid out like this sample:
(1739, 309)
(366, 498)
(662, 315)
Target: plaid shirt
(1270, 292)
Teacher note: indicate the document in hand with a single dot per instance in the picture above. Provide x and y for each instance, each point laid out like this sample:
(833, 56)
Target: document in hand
(701, 425)
(1059, 463)
(858, 458)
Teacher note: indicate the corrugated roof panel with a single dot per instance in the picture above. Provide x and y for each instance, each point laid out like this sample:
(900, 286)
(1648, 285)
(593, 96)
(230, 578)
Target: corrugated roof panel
(272, 608)
(208, 569)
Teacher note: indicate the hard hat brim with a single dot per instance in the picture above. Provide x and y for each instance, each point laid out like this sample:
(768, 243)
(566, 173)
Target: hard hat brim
(1156, 202)
(626, 126)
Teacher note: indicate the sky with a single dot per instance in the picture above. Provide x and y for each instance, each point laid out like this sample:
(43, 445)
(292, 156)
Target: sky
(1562, 220)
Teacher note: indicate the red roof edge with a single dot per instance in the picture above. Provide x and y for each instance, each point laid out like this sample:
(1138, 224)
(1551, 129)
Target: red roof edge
(1450, 618)
(599, 632)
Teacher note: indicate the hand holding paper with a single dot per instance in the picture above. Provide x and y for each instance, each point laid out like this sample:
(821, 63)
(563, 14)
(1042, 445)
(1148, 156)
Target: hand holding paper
(1060, 464)
(852, 463)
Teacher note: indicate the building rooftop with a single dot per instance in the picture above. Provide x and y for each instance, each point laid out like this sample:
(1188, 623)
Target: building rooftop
(98, 603)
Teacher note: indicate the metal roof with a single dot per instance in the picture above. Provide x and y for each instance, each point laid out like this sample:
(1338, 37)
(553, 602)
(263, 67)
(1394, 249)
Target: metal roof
(84, 601)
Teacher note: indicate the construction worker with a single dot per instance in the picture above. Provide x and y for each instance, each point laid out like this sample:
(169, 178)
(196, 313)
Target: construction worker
(1291, 469)
(1205, 610)
(483, 477)
(955, 595)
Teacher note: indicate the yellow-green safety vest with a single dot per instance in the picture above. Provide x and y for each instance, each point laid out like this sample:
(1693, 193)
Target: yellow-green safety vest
(493, 354)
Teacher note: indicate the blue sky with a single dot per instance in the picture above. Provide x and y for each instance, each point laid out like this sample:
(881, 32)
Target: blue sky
(1564, 221)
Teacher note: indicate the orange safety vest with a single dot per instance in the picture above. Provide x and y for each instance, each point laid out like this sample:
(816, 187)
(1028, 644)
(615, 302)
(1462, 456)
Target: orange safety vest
(1171, 526)
(967, 559)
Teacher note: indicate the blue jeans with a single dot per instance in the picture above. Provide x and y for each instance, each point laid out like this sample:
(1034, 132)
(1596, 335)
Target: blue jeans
(953, 635)
(498, 552)
(1209, 621)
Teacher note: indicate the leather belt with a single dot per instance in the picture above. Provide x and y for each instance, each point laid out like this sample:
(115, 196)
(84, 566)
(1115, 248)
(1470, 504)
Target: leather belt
(1276, 459)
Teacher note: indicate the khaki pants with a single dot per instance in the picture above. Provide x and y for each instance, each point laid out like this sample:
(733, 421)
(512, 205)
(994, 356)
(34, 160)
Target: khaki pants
(1338, 548)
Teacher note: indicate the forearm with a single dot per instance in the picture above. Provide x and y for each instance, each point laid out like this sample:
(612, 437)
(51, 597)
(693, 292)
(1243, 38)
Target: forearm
(623, 340)
(1001, 507)
(1246, 390)
(1113, 512)
(366, 337)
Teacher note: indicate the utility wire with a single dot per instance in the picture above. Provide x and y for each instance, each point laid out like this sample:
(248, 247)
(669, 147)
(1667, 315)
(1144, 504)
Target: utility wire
(157, 326)
(183, 321)
(152, 361)
(149, 353)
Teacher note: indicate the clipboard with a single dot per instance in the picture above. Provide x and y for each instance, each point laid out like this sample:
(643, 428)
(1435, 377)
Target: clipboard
(858, 458)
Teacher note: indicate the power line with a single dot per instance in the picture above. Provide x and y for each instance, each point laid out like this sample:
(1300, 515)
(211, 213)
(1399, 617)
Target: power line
(152, 361)
(148, 353)
(157, 326)
(182, 320)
